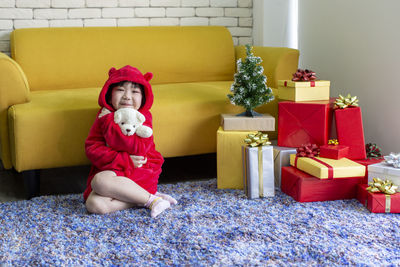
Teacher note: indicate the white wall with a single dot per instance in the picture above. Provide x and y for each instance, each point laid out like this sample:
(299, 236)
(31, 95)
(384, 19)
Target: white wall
(236, 15)
(356, 45)
(275, 23)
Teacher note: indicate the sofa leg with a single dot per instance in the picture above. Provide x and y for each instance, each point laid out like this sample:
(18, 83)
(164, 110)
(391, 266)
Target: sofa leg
(32, 183)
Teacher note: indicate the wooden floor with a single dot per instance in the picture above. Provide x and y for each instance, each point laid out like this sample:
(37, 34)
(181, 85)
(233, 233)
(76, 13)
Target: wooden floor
(73, 179)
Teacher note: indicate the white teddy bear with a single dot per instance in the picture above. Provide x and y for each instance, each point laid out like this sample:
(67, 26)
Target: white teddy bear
(131, 121)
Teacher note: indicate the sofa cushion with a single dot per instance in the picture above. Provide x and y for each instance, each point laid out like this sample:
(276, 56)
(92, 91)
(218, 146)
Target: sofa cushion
(183, 109)
(65, 58)
(40, 128)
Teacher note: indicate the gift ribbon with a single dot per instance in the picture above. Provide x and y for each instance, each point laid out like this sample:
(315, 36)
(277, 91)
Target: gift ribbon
(377, 185)
(258, 139)
(304, 75)
(244, 168)
(309, 150)
(260, 172)
(330, 168)
(312, 83)
(345, 102)
(393, 159)
(387, 203)
(333, 142)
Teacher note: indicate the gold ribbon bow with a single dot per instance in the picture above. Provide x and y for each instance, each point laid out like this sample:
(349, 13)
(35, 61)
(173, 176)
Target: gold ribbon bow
(378, 185)
(258, 139)
(333, 142)
(345, 102)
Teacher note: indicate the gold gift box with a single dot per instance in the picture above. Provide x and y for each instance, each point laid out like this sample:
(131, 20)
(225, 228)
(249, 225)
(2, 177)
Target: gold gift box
(342, 168)
(303, 91)
(229, 158)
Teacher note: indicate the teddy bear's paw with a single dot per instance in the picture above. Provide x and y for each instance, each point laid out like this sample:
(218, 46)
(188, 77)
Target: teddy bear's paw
(144, 131)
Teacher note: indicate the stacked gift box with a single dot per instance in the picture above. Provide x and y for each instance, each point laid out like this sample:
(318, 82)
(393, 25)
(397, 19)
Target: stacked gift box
(324, 169)
(305, 163)
(244, 155)
(381, 194)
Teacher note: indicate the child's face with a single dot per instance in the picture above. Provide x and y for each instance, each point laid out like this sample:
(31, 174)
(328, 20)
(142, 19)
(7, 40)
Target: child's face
(126, 96)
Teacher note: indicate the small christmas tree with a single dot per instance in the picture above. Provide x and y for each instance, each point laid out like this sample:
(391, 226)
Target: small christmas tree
(249, 88)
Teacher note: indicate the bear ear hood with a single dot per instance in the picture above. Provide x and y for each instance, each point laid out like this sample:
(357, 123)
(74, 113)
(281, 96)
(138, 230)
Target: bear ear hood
(128, 73)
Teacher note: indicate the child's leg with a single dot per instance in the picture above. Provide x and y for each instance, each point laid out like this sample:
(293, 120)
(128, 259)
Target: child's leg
(102, 205)
(108, 184)
(111, 193)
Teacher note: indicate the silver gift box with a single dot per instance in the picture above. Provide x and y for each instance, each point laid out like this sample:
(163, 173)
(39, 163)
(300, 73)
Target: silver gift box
(281, 159)
(258, 171)
(384, 172)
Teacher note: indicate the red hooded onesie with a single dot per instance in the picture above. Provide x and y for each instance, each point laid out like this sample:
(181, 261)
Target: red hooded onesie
(109, 149)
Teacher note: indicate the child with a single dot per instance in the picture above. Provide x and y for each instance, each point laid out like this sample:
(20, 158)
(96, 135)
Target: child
(117, 179)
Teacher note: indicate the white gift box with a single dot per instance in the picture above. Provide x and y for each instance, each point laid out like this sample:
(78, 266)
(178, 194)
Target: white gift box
(384, 172)
(258, 171)
(281, 159)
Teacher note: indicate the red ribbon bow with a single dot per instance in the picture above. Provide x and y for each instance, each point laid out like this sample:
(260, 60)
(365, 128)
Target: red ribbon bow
(304, 75)
(309, 151)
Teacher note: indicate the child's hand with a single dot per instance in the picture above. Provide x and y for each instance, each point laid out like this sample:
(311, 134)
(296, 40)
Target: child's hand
(138, 161)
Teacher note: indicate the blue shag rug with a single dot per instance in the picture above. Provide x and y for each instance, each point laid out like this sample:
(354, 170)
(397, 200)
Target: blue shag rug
(207, 227)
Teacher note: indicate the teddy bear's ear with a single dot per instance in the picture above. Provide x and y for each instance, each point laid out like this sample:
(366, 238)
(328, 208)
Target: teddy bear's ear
(148, 76)
(117, 117)
(140, 117)
(111, 71)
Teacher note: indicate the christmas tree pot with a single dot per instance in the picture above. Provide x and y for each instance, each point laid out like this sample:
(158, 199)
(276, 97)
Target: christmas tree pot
(301, 123)
(350, 131)
(303, 187)
(303, 91)
(232, 122)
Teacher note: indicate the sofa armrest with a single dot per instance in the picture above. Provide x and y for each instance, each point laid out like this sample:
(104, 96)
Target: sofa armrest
(279, 63)
(14, 89)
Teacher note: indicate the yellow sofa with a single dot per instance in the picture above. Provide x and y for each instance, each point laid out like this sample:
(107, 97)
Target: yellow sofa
(49, 87)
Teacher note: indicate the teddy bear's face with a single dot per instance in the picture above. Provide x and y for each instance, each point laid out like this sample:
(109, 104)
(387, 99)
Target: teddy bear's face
(128, 120)
(128, 127)
(131, 121)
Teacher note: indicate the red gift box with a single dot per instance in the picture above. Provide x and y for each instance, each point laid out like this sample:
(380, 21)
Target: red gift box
(333, 151)
(350, 132)
(305, 122)
(306, 188)
(362, 193)
(378, 202)
(367, 162)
